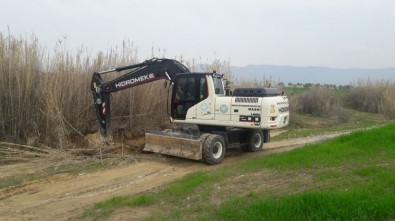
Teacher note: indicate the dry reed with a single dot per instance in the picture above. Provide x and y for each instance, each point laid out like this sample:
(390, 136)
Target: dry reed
(45, 97)
(318, 101)
(375, 97)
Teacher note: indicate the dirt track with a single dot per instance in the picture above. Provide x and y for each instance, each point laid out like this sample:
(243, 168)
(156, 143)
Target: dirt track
(63, 197)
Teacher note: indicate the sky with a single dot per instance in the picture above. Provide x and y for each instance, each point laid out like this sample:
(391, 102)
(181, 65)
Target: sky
(330, 33)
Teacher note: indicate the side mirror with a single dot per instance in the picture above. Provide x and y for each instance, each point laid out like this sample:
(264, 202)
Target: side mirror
(217, 90)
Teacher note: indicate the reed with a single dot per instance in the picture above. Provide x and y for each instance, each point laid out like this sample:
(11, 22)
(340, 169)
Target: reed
(373, 96)
(45, 96)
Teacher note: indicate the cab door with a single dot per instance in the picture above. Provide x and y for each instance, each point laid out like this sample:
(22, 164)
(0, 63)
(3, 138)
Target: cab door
(205, 106)
(183, 97)
(188, 92)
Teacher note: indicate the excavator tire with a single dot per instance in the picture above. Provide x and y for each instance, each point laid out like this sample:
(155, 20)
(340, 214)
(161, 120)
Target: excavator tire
(255, 141)
(266, 135)
(213, 149)
(204, 136)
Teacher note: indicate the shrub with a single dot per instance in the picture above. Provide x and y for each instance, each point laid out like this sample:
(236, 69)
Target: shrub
(388, 102)
(318, 101)
(343, 115)
(375, 97)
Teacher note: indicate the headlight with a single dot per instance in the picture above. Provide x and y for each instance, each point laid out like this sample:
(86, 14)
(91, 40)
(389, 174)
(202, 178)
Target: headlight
(283, 109)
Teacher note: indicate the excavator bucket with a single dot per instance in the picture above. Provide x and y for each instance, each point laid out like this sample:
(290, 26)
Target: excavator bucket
(175, 146)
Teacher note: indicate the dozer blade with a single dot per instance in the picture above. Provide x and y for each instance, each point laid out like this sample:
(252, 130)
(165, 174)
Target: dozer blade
(174, 146)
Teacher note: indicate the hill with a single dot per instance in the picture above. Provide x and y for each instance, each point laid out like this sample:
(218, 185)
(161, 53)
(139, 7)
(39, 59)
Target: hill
(322, 75)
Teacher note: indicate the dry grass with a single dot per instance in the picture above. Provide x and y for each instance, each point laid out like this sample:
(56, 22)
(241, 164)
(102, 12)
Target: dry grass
(388, 102)
(318, 101)
(45, 97)
(374, 97)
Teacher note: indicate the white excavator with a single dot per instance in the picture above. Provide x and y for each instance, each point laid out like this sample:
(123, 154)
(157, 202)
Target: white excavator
(215, 118)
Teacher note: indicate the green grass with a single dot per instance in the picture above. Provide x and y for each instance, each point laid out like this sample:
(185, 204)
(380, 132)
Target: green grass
(355, 173)
(347, 178)
(298, 90)
(104, 209)
(359, 148)
(294, 90)
(307, 125)
(186, 184)
(334, 205)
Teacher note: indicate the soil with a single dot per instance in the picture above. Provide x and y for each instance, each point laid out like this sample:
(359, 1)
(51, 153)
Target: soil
(65, 196)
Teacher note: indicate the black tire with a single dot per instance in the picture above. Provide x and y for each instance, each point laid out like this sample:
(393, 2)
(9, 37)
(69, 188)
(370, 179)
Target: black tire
(255, 141)
(213, 149)
(266, 136)
(204, 136)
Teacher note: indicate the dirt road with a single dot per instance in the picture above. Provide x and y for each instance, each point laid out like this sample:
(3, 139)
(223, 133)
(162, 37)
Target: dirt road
(63, 197)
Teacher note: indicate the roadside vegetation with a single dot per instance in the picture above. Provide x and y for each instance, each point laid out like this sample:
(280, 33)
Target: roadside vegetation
(320, 109)
(347, 178)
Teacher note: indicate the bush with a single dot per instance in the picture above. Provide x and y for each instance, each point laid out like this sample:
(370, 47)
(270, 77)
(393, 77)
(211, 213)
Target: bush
(374, 97)
(317, 101)
(343, 115)
(388, 102)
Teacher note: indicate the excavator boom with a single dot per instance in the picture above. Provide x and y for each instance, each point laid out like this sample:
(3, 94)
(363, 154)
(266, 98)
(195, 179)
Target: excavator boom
(142, 73)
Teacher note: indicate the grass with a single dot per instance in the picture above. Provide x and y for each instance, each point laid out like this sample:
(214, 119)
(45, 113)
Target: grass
(186, 184)
(333, 205)
(173, 193)
(307, 125)
(347, 178)
(104, 209)
(358, 148)
(372, 96)
(294, 90)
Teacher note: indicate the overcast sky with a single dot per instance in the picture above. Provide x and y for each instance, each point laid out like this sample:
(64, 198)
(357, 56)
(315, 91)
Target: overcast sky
(332, 33)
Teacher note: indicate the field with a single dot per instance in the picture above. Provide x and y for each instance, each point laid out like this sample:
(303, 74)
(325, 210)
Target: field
(346, 178)
(138, 185)
(334, 161)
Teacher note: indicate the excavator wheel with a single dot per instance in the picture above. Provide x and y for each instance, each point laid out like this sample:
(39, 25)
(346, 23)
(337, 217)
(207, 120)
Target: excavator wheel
(255, 141)
(266, 135)
(213, 149)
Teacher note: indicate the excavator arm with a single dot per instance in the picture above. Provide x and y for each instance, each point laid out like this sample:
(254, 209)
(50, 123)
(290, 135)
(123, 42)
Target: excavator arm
(142, 73)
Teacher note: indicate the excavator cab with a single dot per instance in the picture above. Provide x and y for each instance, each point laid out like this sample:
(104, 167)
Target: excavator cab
(188, 90)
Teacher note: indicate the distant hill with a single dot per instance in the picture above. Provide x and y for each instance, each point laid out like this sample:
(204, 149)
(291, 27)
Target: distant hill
(322, 75)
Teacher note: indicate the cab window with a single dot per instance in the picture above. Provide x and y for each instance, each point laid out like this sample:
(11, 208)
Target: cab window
(203, 88)
(219, 87)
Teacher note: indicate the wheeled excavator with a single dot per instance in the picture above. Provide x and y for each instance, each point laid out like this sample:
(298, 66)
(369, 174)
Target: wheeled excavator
(222, 118)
